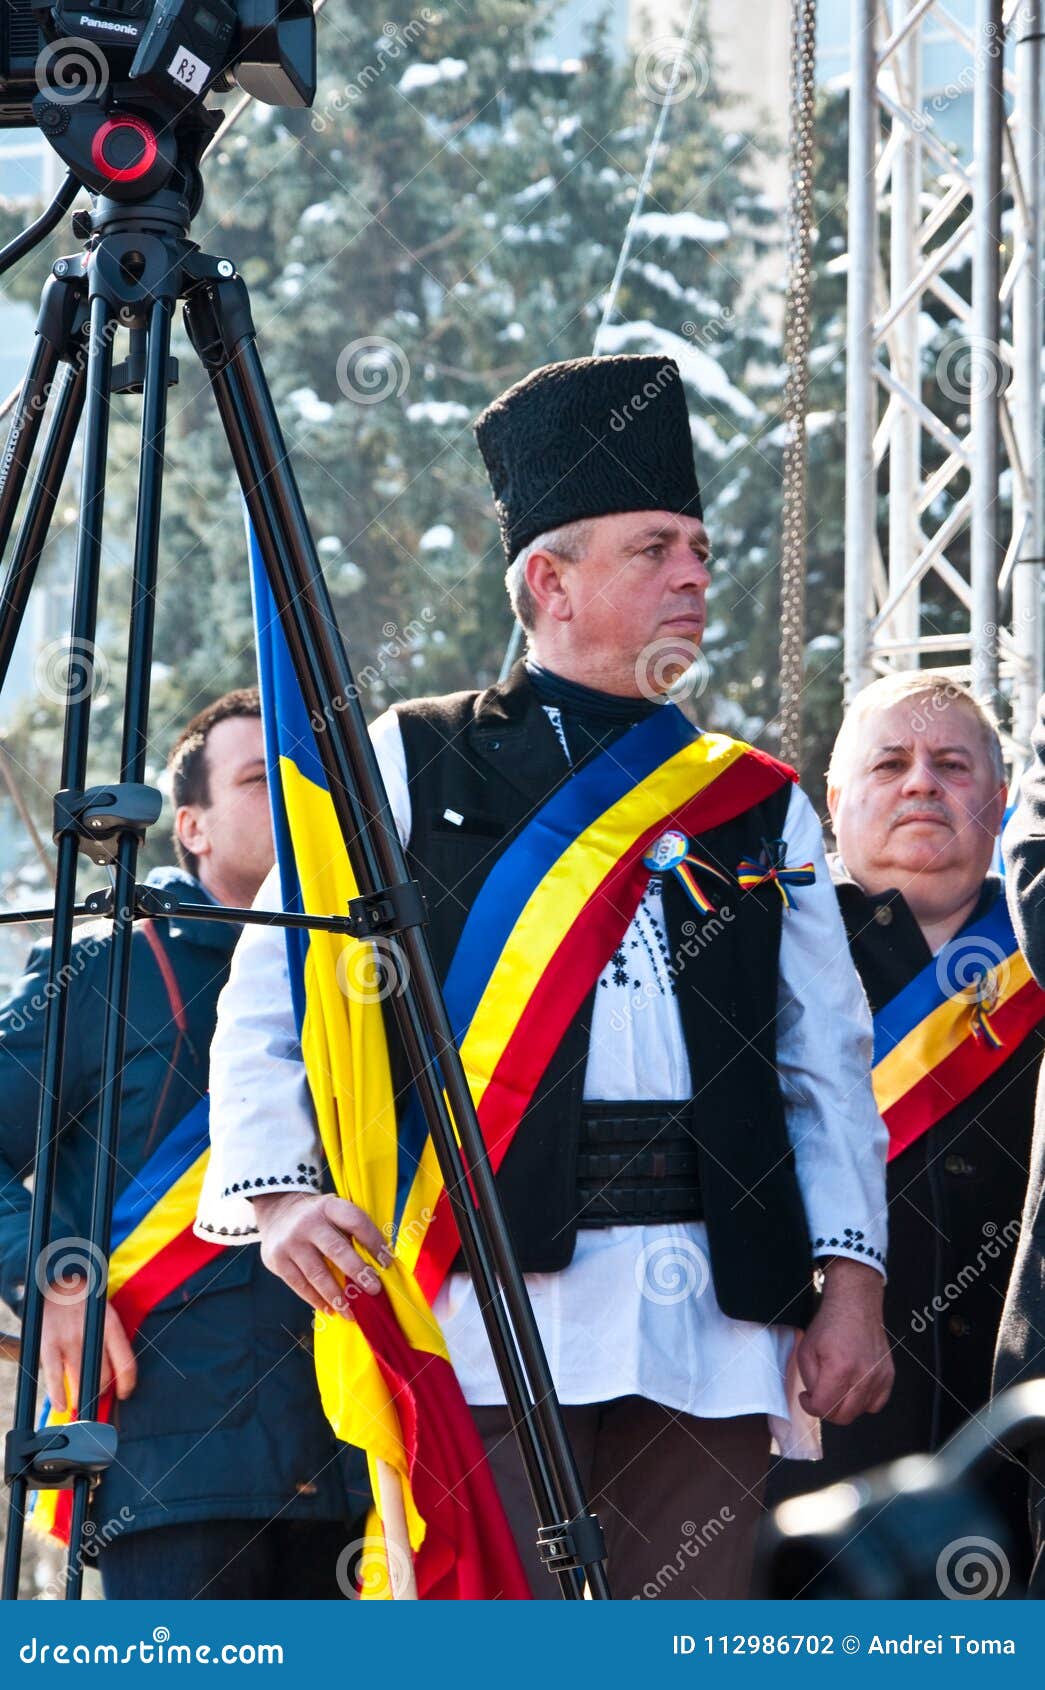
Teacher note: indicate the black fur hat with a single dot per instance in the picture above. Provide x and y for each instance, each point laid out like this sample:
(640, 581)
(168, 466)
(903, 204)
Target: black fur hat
(588, 437)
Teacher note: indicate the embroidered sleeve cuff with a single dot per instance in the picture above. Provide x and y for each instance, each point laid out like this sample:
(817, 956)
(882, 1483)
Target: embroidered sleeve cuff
(305, 1177)
(851, 1242)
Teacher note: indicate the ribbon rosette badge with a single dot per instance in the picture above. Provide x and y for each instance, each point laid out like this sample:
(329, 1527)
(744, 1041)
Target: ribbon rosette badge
(974, 970)
(987, 996)
(670, 854)
(773, 869)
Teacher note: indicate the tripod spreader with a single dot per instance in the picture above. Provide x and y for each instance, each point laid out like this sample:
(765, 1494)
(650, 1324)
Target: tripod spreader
(98, 816)
(53, 1457)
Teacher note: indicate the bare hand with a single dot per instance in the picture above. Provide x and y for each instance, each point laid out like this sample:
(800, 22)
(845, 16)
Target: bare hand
(303, 1232)
(844, 1357)
(61, 1352)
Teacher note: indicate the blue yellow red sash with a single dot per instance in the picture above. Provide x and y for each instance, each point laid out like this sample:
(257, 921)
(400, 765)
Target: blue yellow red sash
(153, 1251)
(953, 1026)
(553, 910)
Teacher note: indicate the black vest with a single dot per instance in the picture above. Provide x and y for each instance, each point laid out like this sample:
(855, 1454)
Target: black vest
(493, 758)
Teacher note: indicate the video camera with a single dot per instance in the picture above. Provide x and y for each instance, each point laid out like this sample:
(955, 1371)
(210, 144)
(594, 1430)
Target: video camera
(107, 83)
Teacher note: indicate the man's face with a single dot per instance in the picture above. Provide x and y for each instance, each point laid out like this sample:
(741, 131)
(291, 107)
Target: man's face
(636, 599)
(232, 834)
(920, 797)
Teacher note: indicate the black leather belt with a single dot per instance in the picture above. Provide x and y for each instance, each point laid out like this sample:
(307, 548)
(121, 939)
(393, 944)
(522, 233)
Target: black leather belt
(637, 1165)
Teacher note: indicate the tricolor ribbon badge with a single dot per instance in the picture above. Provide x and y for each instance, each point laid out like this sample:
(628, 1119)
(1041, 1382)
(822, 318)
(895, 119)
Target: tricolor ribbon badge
(670, 854)
(988, 991)
(975, 968)
(773, 869)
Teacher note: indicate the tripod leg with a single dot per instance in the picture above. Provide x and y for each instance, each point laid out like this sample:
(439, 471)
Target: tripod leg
(74, 769)
(541, 1474)
(59, 305)
(219, 325)
(39, 510)
(132, 768)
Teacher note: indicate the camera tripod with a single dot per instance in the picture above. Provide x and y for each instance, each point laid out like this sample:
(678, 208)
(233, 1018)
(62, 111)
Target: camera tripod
(139, 262)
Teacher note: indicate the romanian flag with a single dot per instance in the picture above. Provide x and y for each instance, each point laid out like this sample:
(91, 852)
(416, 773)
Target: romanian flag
(549, 916)
(153, 1250)
(953, 1026)
(385, 1377)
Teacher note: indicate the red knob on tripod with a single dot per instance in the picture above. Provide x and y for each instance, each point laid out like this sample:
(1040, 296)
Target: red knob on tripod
(123, 148)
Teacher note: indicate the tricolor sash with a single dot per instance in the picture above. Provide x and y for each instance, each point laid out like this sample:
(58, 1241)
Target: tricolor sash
(153, 1250)
(953, 1026)
(552, 911)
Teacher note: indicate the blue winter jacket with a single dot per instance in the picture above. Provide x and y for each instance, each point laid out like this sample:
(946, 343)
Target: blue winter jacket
(225, 1421)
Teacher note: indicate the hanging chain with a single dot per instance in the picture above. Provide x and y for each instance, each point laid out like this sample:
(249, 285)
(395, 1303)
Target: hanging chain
(796, 357)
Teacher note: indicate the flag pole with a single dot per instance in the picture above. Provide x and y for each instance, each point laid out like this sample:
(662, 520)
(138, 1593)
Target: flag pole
(402, 1578)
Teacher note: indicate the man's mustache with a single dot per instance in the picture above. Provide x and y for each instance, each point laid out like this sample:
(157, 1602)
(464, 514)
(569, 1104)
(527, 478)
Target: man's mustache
(938, 811)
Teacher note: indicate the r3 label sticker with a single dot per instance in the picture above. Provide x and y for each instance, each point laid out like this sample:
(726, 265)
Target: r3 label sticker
(187, 69)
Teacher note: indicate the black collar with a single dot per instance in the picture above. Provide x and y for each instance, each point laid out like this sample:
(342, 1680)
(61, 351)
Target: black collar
(584, 701)
(888, 916)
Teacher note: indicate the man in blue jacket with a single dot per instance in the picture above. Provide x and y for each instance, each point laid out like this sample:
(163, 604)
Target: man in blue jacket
(228, 1481)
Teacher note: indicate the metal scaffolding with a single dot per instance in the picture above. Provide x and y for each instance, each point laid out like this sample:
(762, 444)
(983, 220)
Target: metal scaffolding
(951, 444)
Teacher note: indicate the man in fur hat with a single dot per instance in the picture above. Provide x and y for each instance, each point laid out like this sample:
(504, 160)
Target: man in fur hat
(694, 1134)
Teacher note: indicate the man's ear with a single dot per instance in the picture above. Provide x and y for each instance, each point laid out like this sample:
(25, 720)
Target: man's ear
(545, 577)
(998, 803)
(833, 796)
(189, 830)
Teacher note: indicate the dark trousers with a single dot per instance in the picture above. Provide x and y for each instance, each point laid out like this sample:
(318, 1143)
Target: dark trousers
(679, 1499)
(247, 1560)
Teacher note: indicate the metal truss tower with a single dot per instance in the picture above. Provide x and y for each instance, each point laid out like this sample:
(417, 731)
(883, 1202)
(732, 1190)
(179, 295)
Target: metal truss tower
(944, 455)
